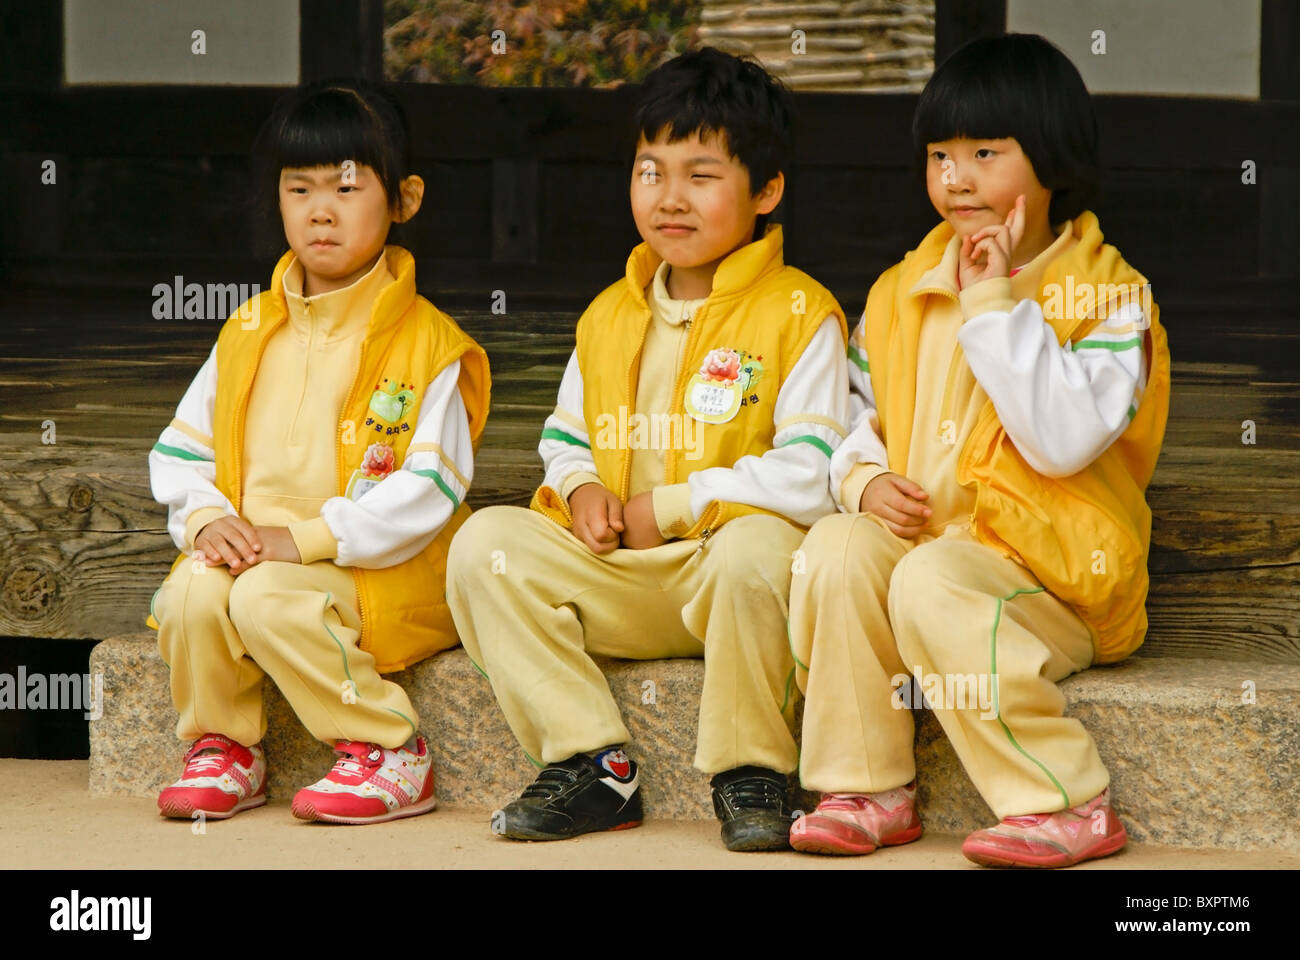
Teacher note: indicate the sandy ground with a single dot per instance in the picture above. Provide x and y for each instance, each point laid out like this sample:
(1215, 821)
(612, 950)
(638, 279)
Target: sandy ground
(49, 820)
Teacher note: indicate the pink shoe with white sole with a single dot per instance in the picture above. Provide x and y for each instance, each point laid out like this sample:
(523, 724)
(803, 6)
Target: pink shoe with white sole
(220, 779)
(856, 824)
(1059, 839)
(370, 784)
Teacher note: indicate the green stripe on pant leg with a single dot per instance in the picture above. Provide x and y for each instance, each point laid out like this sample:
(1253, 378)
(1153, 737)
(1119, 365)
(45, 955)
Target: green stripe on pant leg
(997, 710)
(356, 692)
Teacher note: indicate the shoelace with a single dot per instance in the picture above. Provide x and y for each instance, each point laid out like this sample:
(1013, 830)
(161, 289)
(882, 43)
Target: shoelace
(355, 765)
(550, 782)
(754, 793)
(205, 762)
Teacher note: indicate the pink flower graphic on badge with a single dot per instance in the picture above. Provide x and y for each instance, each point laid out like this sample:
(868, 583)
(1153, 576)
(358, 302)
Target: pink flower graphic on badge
(722, 365)
(378, 461)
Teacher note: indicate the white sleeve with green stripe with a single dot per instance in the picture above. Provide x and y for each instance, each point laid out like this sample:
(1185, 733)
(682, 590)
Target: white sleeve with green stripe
(863, 444)
(1061, 406)
(811, 413)
(398, 517)
(565, 446)
(182, 464)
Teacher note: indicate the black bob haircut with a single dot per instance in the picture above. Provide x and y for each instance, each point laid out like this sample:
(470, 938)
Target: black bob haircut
(707, 91)
(324, 124)
(1017, 85)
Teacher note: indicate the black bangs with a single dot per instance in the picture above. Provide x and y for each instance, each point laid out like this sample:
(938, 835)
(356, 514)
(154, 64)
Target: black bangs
(325, 124)
(1017, 85)
(707, 91)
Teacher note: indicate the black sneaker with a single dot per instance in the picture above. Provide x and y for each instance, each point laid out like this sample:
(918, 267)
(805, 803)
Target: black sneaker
(580, 795)
(751, 803)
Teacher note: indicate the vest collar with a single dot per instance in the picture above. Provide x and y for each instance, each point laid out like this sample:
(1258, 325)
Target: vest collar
(336, 315)
(389, 304)
(736, 274)
(942, 277)
(673, 311)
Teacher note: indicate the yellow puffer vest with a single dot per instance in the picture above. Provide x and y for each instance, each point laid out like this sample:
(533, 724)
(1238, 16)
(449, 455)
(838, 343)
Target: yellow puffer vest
(742, 343)
(404, 613)
(1086, 537)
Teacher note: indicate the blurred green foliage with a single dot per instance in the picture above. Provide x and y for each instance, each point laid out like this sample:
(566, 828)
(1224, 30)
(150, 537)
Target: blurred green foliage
(547, 43)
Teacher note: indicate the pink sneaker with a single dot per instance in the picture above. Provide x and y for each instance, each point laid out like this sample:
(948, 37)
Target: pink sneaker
(1059, 839)
(370, 784)
(221, 778)
(855, 823)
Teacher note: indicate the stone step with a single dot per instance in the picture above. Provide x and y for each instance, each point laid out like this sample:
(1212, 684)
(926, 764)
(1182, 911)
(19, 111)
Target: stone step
(1202, 753)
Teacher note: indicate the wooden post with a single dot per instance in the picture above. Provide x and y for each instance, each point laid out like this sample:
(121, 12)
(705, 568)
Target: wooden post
(341, 38)
(1278, 175)
(956, 21)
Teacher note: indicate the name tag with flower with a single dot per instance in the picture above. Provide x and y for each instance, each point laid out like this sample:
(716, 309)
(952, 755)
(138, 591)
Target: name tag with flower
(375, 466)
(717, 392)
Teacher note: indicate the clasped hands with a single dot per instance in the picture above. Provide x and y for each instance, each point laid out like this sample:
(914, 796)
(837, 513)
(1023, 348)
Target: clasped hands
(238, 544)
(604, 523)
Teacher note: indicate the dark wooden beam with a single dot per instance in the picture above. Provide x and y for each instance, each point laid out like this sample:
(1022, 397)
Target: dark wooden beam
(1279, 44)
(341, 38)
(31, 45)
(956, 21)
(1278, 182)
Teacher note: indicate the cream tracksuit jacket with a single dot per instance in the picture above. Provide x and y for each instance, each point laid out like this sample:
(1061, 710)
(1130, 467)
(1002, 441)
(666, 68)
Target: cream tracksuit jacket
(789, 480)
(289, 442)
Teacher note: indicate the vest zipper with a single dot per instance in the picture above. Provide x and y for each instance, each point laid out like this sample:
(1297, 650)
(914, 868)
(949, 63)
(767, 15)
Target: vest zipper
(342, 486)
(704, 536)
(945, 412)
(945, 406)
(306, 368)
(692, 335)
(625, 479)
(241, 412)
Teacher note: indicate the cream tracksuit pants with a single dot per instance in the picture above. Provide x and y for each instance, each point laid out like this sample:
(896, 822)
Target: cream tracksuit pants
(532, 603)
(983, 637)
(220, 634)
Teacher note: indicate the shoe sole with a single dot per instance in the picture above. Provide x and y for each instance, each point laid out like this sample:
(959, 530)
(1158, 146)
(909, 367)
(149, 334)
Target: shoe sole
(523, 833)
(758, 840)
(181, 809)
(825, 839)
(307, 811)
(993, 857)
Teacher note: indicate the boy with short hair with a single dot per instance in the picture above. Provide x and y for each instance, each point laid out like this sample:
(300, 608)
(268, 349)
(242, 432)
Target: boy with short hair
(688, 449)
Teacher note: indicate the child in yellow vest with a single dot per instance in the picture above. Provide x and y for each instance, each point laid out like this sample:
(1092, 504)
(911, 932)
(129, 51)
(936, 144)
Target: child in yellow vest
(314, 475)
(1010, 387)
(687, 452)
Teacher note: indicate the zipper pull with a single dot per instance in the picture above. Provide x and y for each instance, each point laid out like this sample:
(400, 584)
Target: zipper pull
(704, 536)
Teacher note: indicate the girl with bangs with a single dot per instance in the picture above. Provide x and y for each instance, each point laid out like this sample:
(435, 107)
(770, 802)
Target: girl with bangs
(314, 474)
(1010, 387)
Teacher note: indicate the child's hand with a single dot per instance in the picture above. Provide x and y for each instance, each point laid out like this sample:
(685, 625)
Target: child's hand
(277, 544)
(987, 254)
(642, 530)
(597, 517)
(897, 501)
(229, 540)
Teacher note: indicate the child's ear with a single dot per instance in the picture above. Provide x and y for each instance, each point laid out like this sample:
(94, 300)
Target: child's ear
(771, 194)
(411, 195)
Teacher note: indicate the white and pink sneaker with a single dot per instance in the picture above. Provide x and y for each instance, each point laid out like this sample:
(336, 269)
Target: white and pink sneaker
(221, 778)
(1059, 839)
(370, 784)
(854, 824)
